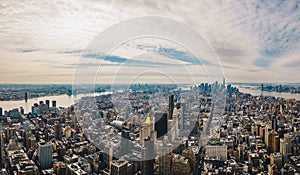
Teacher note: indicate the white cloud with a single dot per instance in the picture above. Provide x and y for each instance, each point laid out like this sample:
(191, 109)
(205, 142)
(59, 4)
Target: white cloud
(241, 32)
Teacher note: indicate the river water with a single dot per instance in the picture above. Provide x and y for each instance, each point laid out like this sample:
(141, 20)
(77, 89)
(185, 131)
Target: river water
(61, 101)
(255, 90)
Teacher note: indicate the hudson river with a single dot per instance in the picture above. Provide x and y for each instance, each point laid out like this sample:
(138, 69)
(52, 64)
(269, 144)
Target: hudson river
(61, 101)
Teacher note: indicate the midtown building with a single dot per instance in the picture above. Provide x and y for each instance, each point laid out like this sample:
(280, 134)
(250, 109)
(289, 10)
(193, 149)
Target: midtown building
(45, 151)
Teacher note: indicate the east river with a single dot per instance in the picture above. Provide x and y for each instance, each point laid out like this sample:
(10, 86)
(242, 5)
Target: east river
(255, 90)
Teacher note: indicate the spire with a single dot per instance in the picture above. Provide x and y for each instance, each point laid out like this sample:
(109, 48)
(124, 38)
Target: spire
(148, 119)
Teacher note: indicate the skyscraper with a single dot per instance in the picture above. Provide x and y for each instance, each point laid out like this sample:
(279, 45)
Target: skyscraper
(161, 123)
(276, 159)
(148, 156)
(224, 83)
(58, 130)
(171, 106)
(27, 133)
(164, 159)
(125, 142)
(241, 152)
(175, 122)
(48, 103)
(45, 151)
(285, 146)
(22, 110)
(182, 115)
(274, 122)
(108, 155)
(148, 127)
(26, 96)
(1, 148)
(276, 143)
(53, 104)
(35, 110)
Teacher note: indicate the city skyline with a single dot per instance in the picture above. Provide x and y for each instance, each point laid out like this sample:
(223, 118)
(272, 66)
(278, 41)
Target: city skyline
(255, 41)
(155, 130)
(138, 87)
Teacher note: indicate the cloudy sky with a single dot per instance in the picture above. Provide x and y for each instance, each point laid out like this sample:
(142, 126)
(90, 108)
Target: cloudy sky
(46, 41)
